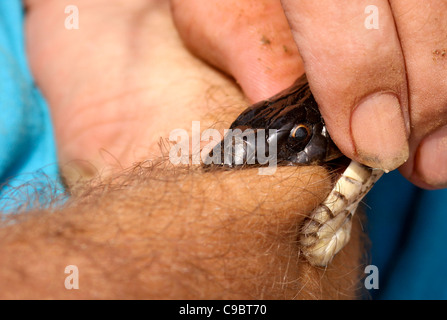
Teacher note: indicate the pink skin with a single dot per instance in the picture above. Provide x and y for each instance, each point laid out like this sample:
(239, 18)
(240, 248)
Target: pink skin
(382, 91)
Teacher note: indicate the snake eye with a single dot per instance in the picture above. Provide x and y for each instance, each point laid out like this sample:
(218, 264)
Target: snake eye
(300, 132)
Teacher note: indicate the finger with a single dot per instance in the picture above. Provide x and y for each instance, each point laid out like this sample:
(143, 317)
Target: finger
(430, 162)
(422, 28)
(357, 75)
(250, 40)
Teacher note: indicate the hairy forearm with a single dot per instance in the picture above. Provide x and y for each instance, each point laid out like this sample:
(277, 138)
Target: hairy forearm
(155, 234)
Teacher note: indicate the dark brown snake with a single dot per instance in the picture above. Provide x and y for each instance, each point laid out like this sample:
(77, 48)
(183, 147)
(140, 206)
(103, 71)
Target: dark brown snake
(292, 123)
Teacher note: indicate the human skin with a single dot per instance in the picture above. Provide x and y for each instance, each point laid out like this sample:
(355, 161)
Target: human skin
(154, 230)
(158, 234)
(382, 92)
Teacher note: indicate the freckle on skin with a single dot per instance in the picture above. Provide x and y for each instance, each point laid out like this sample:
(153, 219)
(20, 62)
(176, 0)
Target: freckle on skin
(265, 40)
(438, 52)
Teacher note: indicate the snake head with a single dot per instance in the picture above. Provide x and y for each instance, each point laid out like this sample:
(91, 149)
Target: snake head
(288, 125)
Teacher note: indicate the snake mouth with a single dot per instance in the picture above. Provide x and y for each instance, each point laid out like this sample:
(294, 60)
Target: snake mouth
(245, 147)
(243, 153)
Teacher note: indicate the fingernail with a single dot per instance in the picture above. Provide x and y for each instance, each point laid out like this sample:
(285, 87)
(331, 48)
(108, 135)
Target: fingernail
(431, 159)
(379, 132)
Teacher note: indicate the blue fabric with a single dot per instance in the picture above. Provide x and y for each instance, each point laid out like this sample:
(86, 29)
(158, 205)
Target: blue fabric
(27, 148)
(408, 231)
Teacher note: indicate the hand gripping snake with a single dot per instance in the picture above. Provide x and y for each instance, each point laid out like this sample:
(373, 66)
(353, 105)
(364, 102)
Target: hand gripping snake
(292, 121)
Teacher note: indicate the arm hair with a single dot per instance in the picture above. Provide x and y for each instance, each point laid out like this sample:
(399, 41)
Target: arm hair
(178, 233)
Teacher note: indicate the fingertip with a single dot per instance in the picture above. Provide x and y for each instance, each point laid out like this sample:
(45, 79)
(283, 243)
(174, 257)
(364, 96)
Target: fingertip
(265, 68)
(249, 40)
(379, 132)
(431, 160)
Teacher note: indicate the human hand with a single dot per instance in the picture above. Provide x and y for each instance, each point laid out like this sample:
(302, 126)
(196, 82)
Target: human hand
(382, 92)
(114, 89)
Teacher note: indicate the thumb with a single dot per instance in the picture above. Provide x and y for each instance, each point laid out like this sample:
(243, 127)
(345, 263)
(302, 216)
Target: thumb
(250, 40)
